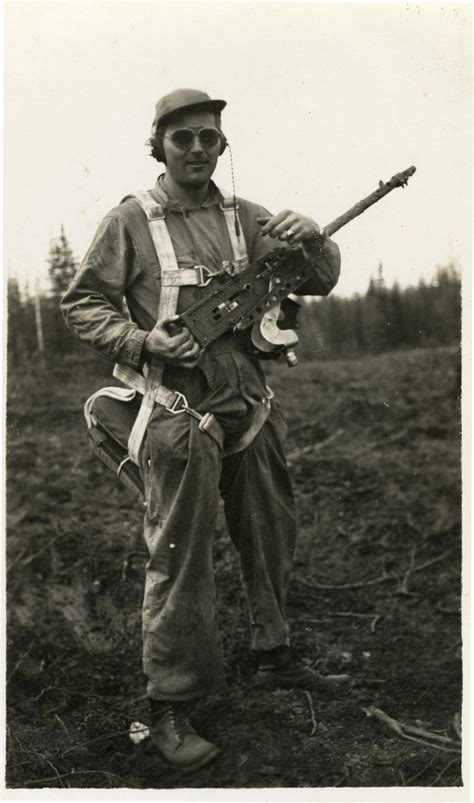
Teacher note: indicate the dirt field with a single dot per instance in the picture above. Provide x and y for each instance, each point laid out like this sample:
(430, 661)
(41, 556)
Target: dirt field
(374, 448)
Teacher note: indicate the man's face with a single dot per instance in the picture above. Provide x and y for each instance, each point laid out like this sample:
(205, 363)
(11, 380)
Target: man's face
(194, 166)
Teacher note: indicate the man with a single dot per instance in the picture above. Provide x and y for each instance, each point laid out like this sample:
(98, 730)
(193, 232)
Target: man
(185, 468)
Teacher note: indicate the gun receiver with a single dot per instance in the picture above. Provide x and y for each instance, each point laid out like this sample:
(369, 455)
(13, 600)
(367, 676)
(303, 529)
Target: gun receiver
(234, 302)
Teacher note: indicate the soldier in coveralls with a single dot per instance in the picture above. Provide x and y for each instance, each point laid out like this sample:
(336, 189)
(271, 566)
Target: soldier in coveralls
(186, 470)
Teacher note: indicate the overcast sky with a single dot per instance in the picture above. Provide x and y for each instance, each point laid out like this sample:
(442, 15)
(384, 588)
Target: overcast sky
(324, 100)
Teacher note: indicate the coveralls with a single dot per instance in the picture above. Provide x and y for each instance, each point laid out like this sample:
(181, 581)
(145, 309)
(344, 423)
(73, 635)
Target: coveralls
(184, 469)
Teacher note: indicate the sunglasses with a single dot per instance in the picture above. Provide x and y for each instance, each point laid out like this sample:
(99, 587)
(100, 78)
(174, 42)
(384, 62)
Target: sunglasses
(183, 138)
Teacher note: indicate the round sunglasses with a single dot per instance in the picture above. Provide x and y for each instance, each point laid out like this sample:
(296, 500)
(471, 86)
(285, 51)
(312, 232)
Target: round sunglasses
(183, 138)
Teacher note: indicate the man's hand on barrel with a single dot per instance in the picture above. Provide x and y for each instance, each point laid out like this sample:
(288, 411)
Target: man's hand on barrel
(289, 226)
(174, 347)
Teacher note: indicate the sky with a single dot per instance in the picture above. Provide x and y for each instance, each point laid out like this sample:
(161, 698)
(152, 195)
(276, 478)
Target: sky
(324, 101)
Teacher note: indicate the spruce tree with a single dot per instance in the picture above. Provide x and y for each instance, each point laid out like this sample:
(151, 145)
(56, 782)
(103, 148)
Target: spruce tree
(62, 264)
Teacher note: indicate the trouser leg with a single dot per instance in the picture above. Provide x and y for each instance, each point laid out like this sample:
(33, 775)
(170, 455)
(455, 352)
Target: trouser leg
(181, 646)
(260, 517)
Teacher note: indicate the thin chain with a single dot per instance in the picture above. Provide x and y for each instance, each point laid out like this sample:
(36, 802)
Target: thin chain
(236, 220)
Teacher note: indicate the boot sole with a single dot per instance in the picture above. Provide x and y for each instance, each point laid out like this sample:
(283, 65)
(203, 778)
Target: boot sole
(198, 764)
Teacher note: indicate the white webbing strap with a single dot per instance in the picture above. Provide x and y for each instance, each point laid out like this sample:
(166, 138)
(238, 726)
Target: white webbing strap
(166, 308)
(239, 249)
(120, 394)
(165, 252)
(172, 400)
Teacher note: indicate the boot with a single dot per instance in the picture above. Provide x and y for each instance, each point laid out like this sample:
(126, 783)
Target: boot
(281, 668)
(174, 736)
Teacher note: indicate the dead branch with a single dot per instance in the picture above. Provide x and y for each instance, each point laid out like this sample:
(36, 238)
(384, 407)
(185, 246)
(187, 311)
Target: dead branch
(43, 691)
(413, 526)
(314, 447)
(409, 782)
(457, 725)
(442, 609)
(311, 709)
(34, 752)
(417, 731)
(383, 579)
(20, 661)
(403, 585)
(374, 623)
(398, 727)
(73, 772)
(75, 747)
(446, 768)
(30, 558)
(375, 617)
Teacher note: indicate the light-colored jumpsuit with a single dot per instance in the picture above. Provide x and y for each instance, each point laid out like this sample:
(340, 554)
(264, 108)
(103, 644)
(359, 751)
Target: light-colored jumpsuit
(184, 470)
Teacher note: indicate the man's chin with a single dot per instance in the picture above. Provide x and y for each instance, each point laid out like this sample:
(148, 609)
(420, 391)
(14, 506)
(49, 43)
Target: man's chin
(196, 182)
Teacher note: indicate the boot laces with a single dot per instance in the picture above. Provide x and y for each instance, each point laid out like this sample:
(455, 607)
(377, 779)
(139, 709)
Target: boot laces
(179, 722)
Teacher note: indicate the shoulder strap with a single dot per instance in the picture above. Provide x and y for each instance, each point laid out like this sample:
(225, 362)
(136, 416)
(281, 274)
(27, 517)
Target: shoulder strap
(230, 210)
(167, 306)
(164, 249)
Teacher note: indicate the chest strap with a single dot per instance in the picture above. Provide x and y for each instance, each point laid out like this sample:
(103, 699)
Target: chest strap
(239, 249)
(172, 278)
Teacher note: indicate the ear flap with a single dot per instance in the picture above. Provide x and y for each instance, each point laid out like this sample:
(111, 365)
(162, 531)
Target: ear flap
(160, 150)
(224, 143)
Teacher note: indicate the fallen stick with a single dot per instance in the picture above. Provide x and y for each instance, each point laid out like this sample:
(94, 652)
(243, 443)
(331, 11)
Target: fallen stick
(73, 772)
(314, 447)
(396, 726)
(24, 561)
(374, 623)
(403, 585)
(383, 579)
(313, 717)
(417, 731)
(20, 660)
(440, 774)
(75, 747)
(457, 725)
(409, 782)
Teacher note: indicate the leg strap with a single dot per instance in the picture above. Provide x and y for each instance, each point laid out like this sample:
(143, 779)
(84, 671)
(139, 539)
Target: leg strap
(176, 403)
(173, 401)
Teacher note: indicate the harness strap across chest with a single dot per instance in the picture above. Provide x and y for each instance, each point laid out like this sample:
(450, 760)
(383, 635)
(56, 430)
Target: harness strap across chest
(172, 278)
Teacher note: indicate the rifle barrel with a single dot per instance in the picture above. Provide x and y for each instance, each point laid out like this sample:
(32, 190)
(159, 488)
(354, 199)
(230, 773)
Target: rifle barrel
(398, 180)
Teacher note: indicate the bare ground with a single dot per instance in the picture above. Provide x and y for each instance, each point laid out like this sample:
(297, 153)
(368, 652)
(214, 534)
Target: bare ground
(374, 449)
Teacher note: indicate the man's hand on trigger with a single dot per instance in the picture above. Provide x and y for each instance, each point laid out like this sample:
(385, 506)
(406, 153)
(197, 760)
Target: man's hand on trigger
(290, 226)
(177, 349)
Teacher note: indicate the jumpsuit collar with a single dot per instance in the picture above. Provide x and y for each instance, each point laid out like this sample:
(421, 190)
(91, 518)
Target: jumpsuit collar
(172, 204)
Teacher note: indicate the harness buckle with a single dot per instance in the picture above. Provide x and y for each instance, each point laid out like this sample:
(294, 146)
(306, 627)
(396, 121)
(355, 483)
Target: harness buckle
(180, 405)
(205, 275)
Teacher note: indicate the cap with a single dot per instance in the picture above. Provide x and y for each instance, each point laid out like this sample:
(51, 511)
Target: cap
(184, 99)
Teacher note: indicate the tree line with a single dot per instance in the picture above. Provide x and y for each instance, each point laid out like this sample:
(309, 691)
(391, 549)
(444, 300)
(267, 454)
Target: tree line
(383, 319)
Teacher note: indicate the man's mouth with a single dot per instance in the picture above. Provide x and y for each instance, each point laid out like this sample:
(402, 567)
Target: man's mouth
(196, 163)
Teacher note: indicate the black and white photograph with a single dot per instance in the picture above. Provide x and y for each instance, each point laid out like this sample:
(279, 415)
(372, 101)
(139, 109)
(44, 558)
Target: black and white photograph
(237, 250)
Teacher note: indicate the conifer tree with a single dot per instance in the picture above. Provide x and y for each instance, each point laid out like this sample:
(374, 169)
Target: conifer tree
(62, 264)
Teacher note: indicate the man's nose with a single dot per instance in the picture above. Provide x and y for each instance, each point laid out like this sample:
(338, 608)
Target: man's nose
(196, 144)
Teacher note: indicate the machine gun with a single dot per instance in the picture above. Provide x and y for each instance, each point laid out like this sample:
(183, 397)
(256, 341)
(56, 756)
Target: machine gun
(257, 297)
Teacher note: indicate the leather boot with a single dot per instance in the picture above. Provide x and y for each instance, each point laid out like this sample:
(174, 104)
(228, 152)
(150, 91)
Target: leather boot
(176, 739)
